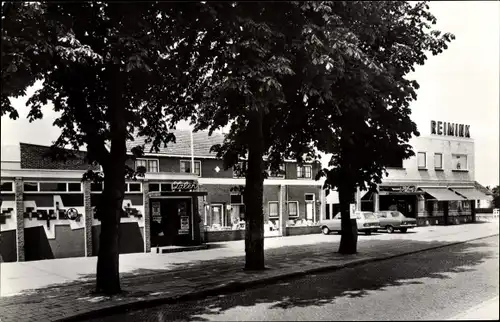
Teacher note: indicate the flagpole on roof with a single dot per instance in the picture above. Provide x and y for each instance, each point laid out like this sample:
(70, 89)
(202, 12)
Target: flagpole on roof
(192, 151)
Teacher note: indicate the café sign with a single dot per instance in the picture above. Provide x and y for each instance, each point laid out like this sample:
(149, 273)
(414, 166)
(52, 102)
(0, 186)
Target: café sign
(184, 185)
(450, 129)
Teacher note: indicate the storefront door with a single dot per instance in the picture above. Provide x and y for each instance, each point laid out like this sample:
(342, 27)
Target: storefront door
(171, 222)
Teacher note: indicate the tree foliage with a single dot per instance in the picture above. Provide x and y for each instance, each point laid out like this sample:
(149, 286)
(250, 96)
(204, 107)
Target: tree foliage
(292, 78)
(113, 71)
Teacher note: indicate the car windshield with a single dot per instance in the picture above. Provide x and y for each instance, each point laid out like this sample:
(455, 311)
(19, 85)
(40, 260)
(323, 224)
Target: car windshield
(369, 215)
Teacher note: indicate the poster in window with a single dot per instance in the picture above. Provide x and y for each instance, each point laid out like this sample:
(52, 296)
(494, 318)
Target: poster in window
(156, 211)
(184, 225)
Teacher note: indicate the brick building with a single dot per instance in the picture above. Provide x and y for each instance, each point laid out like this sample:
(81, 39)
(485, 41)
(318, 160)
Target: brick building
(185, 198)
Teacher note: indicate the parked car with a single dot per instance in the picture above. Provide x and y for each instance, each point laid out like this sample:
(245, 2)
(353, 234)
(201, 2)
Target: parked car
(366, 221)
(391, 220)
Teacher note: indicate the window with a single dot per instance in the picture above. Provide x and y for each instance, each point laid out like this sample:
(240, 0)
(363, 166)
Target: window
(459, 162)
(309, 196)
(96, 187)
(438, 161)
(7, 187)
(395, 214)
(236, 199)
(150, 165)
(422, 164)
(293, 209)
(304, 171)
(218, 218)
(74, 186)
(134, 187)
(395, 163)
(186, 167)
(273, 209)
(154, 187)
(239, 169)
(277, 174)
(53, 186)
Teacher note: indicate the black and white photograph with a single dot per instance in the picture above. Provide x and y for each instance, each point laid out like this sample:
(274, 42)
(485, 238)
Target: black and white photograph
(250, 161)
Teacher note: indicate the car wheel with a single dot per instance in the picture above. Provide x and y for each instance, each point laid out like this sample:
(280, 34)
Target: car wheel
(404, 230)
(389, 229)
(368, 232)
(325, 230)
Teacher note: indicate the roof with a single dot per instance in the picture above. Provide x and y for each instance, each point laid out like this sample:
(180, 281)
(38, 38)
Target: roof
(182, 147)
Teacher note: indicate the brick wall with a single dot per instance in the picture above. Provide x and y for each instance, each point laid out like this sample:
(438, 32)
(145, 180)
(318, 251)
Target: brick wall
(35, 157)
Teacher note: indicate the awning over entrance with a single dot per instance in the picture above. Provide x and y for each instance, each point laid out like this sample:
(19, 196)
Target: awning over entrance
(443, 194)
(471, 193)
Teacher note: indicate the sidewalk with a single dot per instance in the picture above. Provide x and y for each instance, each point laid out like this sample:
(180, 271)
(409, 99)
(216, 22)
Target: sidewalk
(485, 311)
(59, 289)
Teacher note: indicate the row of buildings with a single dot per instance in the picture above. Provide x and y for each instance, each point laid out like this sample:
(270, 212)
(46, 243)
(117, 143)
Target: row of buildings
(188, 198)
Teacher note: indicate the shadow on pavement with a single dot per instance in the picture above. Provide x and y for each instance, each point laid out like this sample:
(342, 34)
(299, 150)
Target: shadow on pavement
(324, 289)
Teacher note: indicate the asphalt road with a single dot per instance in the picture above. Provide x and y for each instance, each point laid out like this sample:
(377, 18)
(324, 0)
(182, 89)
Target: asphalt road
(438, 284)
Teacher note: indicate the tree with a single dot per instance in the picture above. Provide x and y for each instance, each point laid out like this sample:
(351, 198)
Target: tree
(113, 71)
(339, 87)
(278, 50)
(496, 196)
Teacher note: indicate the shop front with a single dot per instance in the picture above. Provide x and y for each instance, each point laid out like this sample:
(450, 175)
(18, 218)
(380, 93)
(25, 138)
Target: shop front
(400, 198)
(174, 213)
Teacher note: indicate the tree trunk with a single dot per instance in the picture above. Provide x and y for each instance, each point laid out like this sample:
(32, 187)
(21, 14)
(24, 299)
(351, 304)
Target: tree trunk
(108, 274)
(254, 188)
(347, 189)
(349, 238)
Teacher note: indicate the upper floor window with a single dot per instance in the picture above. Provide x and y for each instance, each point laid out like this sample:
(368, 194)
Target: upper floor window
(150, 165)
(395, 163)
(239, 169)
(438, 160)
(277, 174)
(459, 162)
(186, 167)
(304, 171)
(421, 159)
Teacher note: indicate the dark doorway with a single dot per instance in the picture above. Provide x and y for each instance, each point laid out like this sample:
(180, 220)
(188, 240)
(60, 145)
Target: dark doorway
(171, 222)
(406, 204)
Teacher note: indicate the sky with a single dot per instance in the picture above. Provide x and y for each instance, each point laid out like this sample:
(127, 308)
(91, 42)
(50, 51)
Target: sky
(461, 85)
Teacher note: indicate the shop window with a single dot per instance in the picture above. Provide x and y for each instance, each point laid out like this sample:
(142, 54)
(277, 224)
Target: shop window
(304, 172)
(186, 167)
(74, 187)
(7, 187)
(273, 209)
(421, 159)
(150, 165)
(459, 162)
(293, 209)
(218, 218)
(438, 160)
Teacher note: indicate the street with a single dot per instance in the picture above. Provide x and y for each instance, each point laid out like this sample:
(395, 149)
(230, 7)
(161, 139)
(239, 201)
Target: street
(446, 283)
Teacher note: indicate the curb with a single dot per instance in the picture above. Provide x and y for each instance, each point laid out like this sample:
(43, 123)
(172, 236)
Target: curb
(238, 286)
